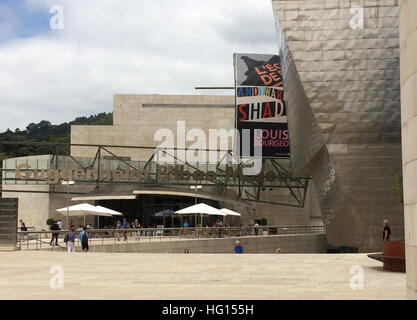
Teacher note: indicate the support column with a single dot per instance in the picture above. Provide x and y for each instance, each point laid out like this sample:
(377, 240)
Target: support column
(408, 54)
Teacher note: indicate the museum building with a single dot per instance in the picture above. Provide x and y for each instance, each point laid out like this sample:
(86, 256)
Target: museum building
(133, 181)
(342, 91)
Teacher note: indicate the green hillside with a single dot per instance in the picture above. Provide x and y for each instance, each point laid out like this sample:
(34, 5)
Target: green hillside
(44, 131)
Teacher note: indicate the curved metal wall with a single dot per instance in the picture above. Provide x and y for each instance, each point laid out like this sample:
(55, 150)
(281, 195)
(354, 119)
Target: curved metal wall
(343, 97)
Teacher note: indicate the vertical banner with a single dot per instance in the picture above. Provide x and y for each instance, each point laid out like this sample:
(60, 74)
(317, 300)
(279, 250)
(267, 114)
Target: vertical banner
(260, 106)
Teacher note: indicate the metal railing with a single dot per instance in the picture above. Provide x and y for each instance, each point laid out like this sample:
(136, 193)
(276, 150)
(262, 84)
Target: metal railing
(43, 239)
(29, 228)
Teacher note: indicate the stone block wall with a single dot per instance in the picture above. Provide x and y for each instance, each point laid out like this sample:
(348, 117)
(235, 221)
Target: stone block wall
(288, 244)
(408, 44)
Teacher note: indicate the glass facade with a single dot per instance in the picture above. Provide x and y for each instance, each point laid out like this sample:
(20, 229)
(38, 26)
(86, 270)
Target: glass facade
(144, 209)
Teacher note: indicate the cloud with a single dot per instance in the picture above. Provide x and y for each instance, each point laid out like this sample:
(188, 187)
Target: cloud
(107, 47)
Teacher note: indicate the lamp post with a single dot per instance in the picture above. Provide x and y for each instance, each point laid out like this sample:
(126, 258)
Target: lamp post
(196, 187)
(67, 183)
(267, 204)
(267, 209)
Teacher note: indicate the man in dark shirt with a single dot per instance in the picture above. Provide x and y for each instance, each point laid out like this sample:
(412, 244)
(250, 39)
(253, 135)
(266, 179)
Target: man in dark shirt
(387, 231)
(22, 226)
(55, 233)
(125, 225)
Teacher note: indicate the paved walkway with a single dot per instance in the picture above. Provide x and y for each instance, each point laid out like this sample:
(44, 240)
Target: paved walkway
(25, 275)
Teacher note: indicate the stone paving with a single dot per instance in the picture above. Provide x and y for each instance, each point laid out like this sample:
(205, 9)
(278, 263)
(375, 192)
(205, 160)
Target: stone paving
(26, 275)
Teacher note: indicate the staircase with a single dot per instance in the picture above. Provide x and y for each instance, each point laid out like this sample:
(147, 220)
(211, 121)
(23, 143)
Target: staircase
(8, 224)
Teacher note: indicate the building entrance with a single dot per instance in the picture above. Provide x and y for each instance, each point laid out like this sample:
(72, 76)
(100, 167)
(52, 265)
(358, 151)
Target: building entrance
(154, 210)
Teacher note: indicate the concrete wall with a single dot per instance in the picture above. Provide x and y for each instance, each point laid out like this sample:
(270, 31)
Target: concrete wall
(34, 200)
(138, 117)
(33, 207)
(59, 200)
(343, 93)
(288, 244)
(408, 45)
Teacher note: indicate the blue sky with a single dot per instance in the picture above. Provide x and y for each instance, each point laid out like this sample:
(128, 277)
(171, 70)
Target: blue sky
(27, 22)
(129, 46)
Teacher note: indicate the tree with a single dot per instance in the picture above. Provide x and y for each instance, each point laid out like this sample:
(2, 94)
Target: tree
(44, 131)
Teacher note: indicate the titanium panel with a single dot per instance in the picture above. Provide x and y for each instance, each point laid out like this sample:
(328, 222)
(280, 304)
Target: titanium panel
(344, 117)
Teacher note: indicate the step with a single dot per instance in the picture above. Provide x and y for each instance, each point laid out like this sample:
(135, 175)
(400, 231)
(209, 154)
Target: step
(4, 248)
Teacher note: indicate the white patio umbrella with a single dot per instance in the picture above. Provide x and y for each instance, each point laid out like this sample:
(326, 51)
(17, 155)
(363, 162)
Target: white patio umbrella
(201, 209)
(105, 212)
(83, 209)
(229, 212)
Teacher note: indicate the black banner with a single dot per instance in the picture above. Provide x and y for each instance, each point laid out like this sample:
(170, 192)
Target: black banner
(261, 115)
(217, 309)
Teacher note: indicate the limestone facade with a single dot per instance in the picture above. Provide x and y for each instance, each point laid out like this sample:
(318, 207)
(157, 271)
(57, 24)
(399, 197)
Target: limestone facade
(408, 50)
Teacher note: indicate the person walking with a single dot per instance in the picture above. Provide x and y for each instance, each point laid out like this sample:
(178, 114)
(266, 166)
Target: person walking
(84, 239)
(71, 240)
(255, 227)
(125, 225)
(238, 247)
(118, 226)
(220, 226)
(387, 231)
(186, 225)
(55, 233)
(22, 226)
(59, 224)
(136, 225)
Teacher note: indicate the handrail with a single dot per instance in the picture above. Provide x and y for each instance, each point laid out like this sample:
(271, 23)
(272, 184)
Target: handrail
(32, 228)
(181, 228)
(35, 239)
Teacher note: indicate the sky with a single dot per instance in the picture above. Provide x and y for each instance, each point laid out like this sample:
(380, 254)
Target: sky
(119, 46)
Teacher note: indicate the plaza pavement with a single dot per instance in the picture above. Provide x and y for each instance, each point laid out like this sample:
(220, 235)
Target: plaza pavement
(25, 275)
